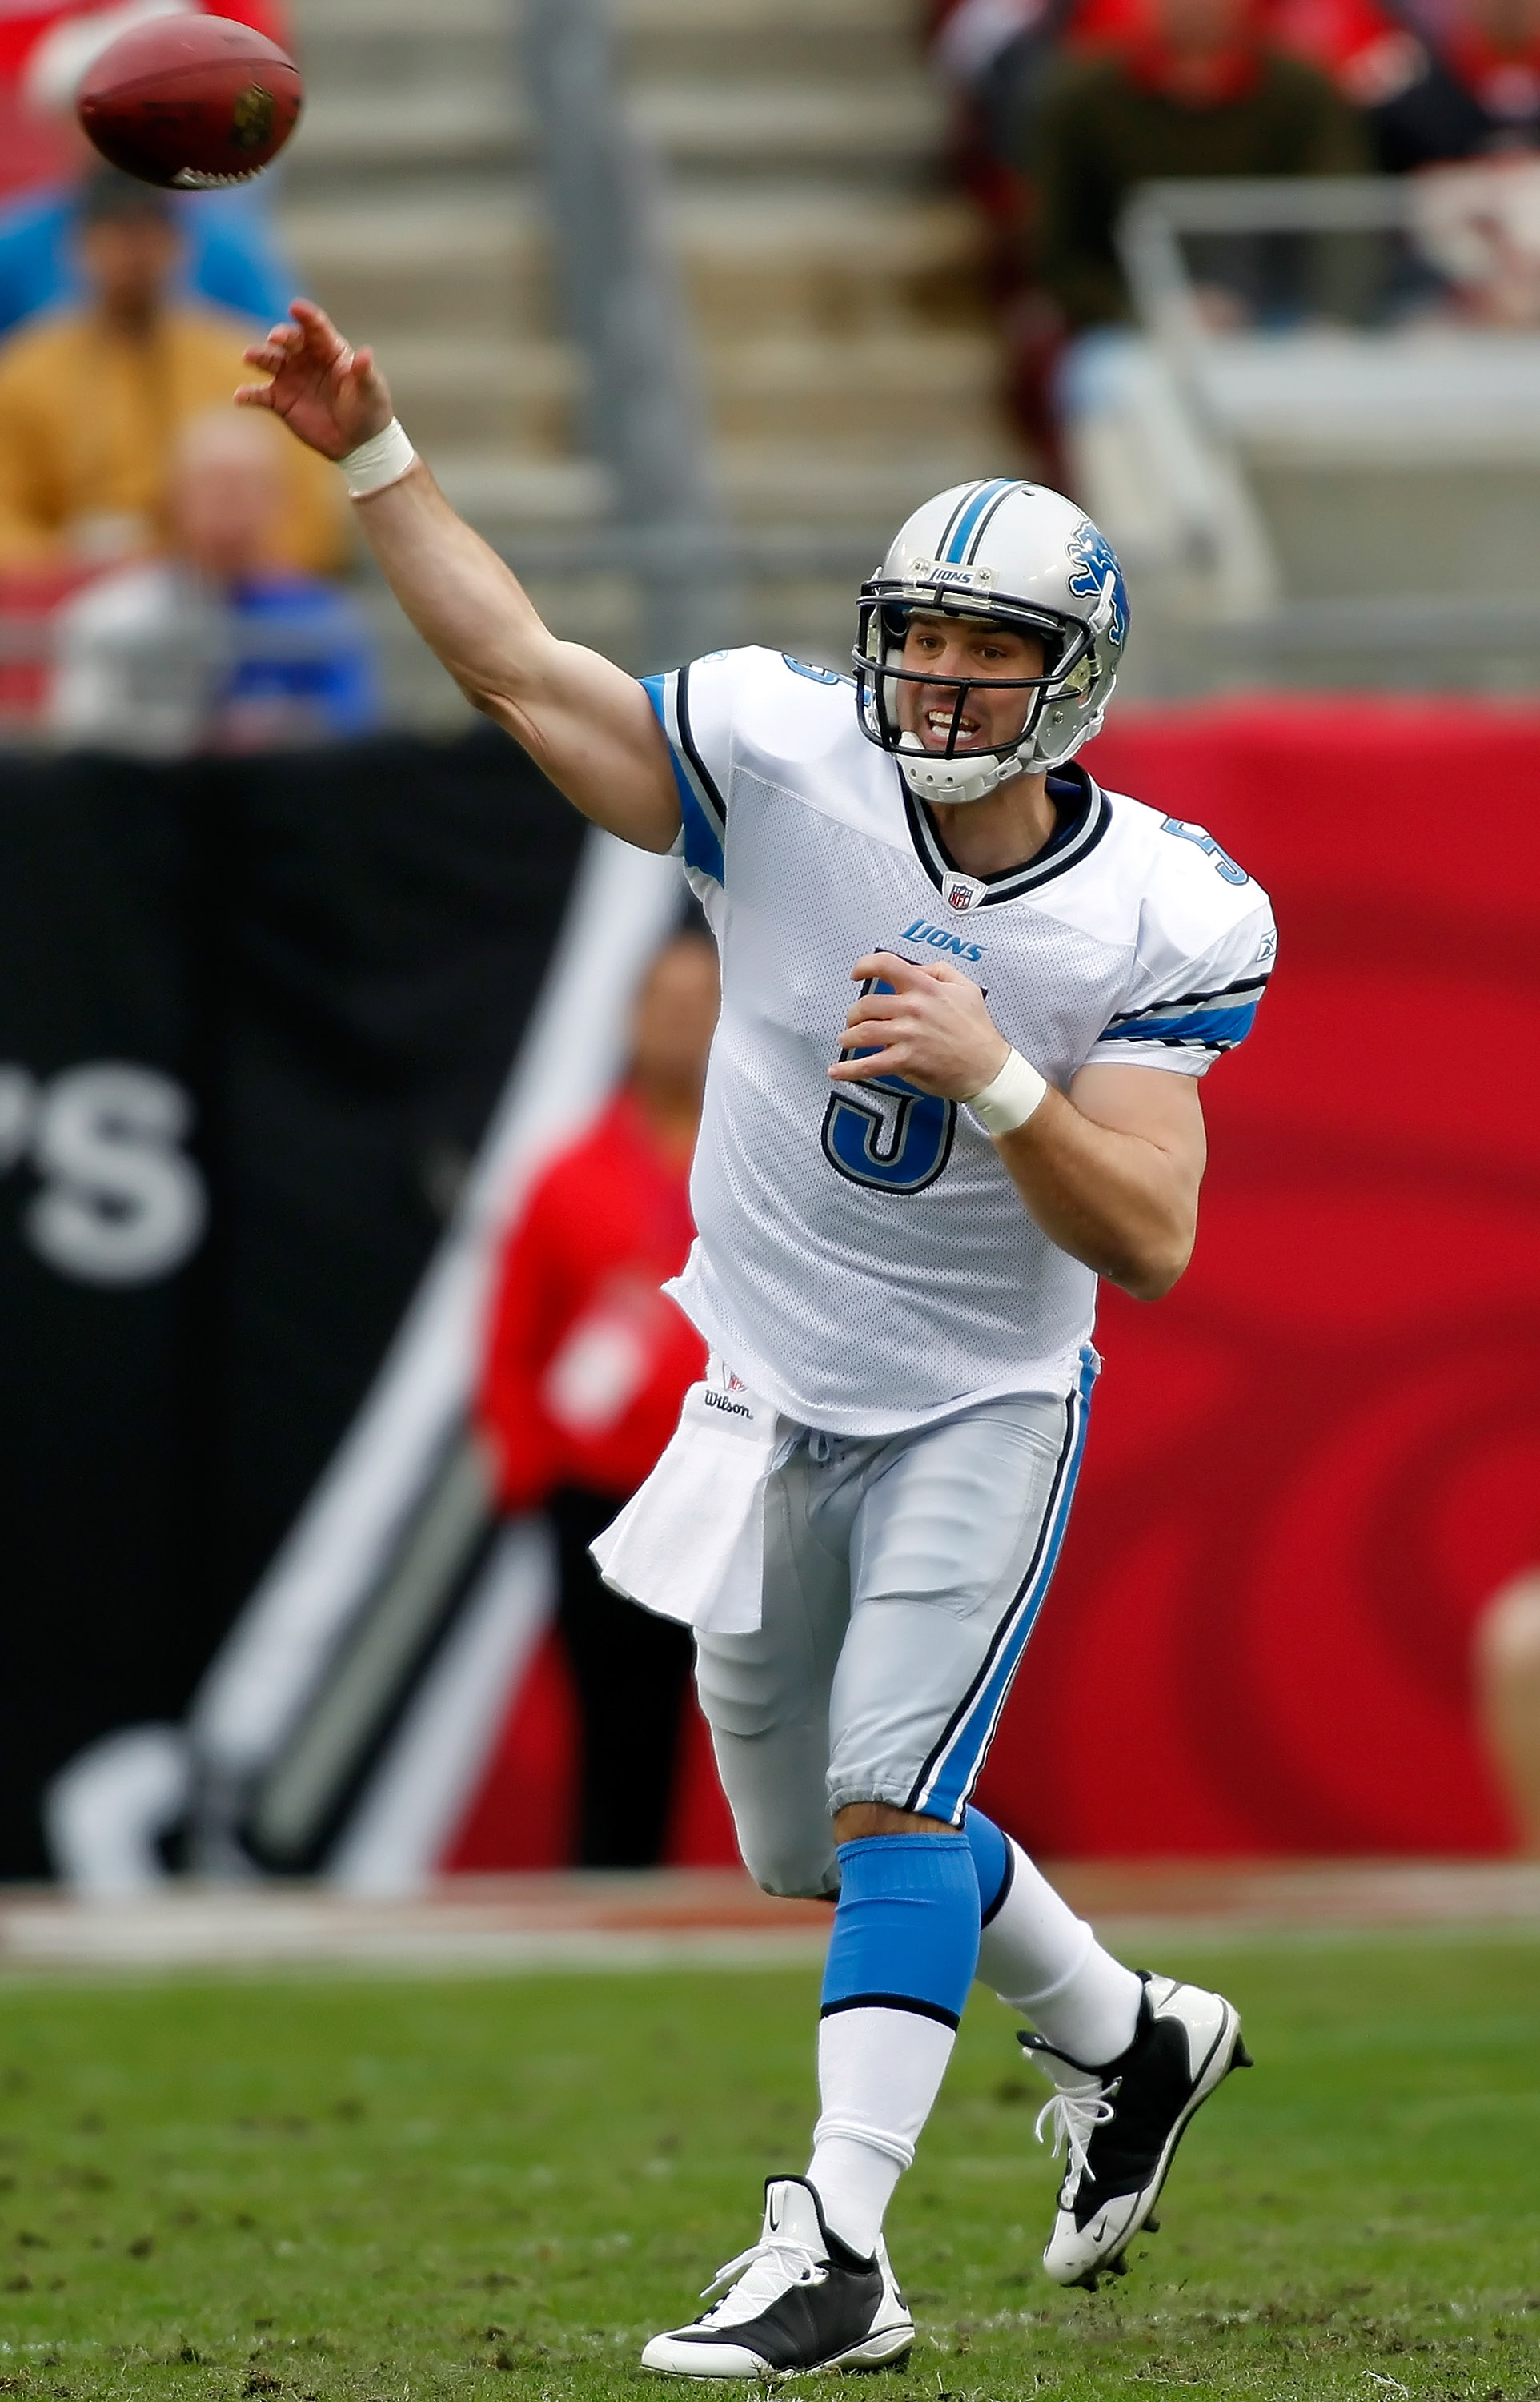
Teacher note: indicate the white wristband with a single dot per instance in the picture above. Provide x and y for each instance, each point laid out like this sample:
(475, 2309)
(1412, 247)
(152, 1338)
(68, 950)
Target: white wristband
(383, 460)
(1008, 1100)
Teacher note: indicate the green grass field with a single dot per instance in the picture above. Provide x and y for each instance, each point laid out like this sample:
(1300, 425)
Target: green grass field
(377, 2190)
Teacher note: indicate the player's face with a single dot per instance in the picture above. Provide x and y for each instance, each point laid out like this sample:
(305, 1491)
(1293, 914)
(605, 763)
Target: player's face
(956, 651)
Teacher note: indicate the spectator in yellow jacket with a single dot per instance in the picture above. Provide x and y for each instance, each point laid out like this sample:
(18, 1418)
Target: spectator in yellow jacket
(91, 400)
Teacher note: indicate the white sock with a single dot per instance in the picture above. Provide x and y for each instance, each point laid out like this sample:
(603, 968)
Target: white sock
(1046, 1962)
(879, 2073)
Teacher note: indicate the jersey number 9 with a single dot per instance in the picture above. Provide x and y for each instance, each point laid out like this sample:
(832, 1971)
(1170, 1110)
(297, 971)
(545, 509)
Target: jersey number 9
(887, 1134)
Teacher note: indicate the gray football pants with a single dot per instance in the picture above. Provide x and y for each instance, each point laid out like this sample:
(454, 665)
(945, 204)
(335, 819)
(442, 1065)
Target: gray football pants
(902, 1578)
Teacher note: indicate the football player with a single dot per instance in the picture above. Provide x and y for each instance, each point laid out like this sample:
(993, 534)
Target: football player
(967, 1000)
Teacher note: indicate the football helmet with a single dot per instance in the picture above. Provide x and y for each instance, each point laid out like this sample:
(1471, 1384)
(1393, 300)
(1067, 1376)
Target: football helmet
(1018, 556)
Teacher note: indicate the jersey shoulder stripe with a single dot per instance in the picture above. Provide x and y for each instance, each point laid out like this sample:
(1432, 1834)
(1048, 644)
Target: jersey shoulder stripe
(1207, 1029)
(1253, 984)
(702, 806)
(1218, 1020)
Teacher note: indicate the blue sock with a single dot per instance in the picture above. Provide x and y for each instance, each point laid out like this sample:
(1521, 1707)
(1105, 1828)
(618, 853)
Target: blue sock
(992, 1861)
(900, 1961)
(906, 1931)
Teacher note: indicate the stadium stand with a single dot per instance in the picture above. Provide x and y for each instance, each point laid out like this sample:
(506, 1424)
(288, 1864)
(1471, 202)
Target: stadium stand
(1339, 484)
(826, 262)
(803, 142)
(413, 211)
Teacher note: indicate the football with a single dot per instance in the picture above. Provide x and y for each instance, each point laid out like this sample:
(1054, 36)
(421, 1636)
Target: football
(190, 102)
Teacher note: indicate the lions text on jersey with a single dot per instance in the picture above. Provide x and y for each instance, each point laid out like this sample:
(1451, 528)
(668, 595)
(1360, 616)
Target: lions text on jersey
(864, 1260)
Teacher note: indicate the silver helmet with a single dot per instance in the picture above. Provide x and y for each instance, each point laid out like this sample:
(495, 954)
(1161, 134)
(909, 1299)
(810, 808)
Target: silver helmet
(1018, 556)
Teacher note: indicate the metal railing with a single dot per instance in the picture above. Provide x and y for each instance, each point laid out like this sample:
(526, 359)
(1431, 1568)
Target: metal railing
(1149, 232)
(645, 409)
(1363, 260)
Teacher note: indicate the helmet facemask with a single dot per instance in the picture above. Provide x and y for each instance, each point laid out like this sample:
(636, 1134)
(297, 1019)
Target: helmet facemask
(956, 773)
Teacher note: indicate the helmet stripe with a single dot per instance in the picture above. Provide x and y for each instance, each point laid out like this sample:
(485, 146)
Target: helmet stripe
(990, 512)
(969, 494)
(956, 548)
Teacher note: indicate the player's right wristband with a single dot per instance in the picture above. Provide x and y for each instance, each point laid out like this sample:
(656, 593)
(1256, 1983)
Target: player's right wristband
(1008, 1100)
(383, 460)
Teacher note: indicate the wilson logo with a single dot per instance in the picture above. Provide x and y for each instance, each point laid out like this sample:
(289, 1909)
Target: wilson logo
(940, 940)
(734, 1409)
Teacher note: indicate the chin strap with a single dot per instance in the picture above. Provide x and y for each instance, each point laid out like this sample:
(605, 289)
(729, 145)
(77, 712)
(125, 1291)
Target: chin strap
(934, 778)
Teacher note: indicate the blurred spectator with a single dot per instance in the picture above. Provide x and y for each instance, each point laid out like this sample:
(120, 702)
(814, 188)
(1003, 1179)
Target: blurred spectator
(229, 255)
(1364, 47)
(1200, 94)
(1477, 227)
(1000, 57)
(90, 400)
(209, 648)
(46, 46)
(1507, 1691)
(1471, 91)
(997, 56)
(587, 1364)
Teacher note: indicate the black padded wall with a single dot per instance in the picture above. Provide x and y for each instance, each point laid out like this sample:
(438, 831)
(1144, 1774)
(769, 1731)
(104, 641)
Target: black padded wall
(254, 1016)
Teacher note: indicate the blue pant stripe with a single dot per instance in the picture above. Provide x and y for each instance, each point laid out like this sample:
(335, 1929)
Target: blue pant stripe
(951, 1777)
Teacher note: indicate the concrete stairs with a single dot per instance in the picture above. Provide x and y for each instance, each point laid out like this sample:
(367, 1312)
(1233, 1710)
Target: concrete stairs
(835, 286)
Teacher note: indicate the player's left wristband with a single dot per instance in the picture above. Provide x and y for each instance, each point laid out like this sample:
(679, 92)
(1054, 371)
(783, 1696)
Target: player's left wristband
(1008, 1100)
(382, 460)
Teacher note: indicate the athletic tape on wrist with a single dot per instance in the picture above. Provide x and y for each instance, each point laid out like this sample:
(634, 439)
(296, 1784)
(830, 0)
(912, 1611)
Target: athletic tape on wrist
(1008, 1100)
(383, 460)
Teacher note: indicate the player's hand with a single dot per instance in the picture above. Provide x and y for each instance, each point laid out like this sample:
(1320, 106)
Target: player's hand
(331, 395)
(933, 1028)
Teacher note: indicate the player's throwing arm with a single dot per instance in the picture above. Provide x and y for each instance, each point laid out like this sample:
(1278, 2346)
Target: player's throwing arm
(584, 721)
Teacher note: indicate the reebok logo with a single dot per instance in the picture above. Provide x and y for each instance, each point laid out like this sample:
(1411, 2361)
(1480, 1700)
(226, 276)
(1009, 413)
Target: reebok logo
(734, 1409)
(940, 940)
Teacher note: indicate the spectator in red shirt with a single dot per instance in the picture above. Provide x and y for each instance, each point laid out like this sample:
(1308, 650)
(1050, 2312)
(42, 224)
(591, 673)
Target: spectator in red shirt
(587, 1366)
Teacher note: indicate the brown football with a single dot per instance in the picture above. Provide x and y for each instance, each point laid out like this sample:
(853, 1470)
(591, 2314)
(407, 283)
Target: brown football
(192, 103)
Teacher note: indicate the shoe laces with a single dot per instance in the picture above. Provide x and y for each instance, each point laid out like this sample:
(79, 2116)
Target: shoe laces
(764, 2273)
(1074, 2117)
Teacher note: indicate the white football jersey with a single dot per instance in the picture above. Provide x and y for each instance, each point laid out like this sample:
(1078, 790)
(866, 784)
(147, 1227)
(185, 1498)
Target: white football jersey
(863, 1260)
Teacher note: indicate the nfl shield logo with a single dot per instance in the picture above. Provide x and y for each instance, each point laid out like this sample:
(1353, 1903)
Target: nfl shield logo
(964, 892)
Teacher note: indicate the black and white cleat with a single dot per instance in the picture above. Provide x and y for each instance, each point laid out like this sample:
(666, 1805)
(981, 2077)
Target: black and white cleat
(1120, 2125)
(800, 2300)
